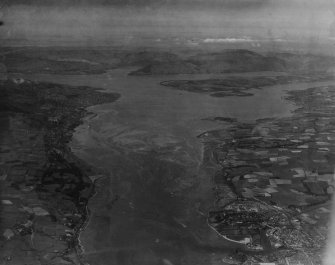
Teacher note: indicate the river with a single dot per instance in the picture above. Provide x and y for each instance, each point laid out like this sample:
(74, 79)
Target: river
(151, 206)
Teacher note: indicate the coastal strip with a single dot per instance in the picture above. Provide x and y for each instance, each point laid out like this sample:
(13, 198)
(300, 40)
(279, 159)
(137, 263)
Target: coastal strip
(45, 188)
(276, 179)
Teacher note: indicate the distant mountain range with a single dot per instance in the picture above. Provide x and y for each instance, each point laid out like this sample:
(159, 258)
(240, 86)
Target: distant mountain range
(95, 61)
(237, 61)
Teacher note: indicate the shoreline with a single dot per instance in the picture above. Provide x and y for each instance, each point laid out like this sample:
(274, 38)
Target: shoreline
(54, 211)
(244, 125)
(289, 156)
(58, 148)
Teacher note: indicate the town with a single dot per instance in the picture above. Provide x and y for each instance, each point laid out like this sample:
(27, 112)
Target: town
(274, 189)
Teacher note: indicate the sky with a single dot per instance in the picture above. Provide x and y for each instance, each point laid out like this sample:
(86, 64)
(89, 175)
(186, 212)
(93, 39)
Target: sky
(105, 21)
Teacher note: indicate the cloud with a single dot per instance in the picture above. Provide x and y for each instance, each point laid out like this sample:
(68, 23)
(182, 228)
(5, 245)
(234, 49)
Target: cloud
(228, 40)
(259, 19)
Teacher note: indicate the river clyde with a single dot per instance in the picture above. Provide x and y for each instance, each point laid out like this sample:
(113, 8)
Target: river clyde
(151, 202)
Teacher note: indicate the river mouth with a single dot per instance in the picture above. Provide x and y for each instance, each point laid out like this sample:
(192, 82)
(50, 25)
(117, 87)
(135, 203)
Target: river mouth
(151, 206)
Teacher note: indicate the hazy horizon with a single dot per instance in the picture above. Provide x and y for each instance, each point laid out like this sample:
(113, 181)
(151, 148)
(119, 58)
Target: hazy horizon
(184, 21)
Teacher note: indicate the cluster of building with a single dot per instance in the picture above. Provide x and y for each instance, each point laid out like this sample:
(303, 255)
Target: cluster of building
(287, 164)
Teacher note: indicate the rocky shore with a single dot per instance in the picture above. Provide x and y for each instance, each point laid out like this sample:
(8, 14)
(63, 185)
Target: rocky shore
(44, 187)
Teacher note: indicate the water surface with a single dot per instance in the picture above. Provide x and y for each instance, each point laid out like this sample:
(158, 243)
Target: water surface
(151, 208)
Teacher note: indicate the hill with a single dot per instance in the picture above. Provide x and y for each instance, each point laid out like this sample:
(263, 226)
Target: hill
(56, 60)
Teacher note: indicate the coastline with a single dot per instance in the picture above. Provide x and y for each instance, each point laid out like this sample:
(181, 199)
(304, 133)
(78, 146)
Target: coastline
(282, 162)
(47, 188)
(97, 252)
(131, 205)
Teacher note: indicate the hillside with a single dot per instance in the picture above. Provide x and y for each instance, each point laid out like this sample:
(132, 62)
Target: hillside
(70, 61)
(239, 61)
